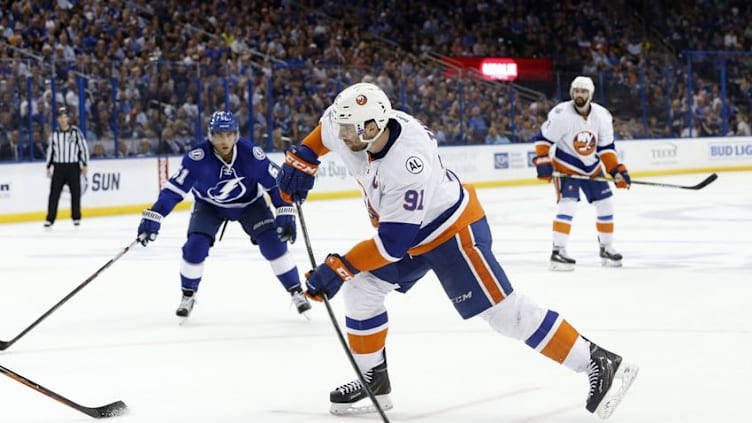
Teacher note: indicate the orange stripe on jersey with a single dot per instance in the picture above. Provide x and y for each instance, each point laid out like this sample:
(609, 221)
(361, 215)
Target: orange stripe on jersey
(365, 256)
(314, 142)
(609, 159)
(561, 343)
(562, 169)
(367, 344)
(542, 149)
(479, 266)
(605, 227)
(472, 213)
(562, 227)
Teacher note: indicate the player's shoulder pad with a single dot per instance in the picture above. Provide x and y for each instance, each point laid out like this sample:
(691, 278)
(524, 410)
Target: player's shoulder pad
(602, 111)
(406, 169)
(558, 111)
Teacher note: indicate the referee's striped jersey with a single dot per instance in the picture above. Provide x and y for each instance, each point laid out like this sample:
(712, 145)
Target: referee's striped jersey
(67, 146)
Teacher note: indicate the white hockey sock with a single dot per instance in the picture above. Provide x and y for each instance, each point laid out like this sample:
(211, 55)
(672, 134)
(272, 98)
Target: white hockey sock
(579, 356)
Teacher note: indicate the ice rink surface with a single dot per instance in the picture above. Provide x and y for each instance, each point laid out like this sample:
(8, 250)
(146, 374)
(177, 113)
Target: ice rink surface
(679, 308)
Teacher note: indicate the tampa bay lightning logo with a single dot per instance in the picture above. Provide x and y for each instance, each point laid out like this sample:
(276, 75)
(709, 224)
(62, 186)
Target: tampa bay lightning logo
(258, 153)
(227, 190)
(196, 154)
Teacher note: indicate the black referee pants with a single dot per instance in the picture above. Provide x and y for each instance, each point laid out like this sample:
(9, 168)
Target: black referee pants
(65, 174)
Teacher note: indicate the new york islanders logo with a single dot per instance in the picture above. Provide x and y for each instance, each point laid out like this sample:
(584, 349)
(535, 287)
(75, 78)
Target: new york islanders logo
(361, 100)
(584, 143)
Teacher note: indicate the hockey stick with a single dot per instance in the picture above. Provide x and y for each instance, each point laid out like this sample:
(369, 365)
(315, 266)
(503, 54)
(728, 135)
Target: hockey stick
(5, 344)
(117, 408)
(329, 310)
(705, 182)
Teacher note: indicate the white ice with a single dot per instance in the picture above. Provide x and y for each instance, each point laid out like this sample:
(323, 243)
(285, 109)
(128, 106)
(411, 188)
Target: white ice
(679, 308)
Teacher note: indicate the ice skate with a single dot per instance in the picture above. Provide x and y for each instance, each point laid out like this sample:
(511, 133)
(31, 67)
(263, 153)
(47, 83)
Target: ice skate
(47, 224)
(346, 398)
(610, 378)
(609, 256)
(560, 260)
(186, 305)
(300, 301)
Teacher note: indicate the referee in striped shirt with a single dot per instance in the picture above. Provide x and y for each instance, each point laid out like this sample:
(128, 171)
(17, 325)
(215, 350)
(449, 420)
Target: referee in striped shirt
(67, 158)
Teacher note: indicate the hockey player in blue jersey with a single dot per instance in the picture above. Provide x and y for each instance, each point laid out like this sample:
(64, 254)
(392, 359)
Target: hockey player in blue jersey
(224, 173)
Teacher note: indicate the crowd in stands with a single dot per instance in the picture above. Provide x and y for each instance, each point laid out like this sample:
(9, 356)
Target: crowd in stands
(143, 76)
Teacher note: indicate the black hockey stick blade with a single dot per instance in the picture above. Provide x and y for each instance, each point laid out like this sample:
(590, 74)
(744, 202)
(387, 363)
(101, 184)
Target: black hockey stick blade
(117, 408)
(705, 182)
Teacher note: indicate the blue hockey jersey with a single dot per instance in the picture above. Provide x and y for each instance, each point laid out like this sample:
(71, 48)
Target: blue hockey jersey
(229, 187)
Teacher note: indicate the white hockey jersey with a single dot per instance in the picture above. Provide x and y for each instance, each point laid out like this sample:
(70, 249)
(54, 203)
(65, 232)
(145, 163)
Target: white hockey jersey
(411, 198)
(582, 142)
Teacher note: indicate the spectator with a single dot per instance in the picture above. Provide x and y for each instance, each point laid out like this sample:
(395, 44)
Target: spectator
(124, 148)
(9, 150)
(98, 152)
(742, 125)
(145, 148)
(477, 126)
(709, 126)
(494, 137)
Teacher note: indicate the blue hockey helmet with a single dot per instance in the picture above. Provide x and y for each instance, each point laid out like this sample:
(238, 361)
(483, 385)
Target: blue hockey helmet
(222, 122)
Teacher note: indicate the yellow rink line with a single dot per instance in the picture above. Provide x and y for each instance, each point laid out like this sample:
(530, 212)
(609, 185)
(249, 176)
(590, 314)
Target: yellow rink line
(333, 195)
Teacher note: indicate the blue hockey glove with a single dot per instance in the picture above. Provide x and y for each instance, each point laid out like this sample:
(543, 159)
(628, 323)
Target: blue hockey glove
(149, 226)
(621, 176)
(327, 278)
(298, 174)
(544, 167)
(285, 221)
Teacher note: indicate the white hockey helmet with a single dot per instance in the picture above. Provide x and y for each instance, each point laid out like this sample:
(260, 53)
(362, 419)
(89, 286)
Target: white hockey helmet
(585, 83)
(359, 104)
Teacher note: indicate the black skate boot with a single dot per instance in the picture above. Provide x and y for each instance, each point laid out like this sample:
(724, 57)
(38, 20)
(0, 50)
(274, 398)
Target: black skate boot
(186, 304)
(345, 397)
(560, 260)
(609, 256)
(300, 301)
(610, 378)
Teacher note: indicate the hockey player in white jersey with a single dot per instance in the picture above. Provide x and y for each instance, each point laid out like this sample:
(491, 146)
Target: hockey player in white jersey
(425, 219)
(583, 134)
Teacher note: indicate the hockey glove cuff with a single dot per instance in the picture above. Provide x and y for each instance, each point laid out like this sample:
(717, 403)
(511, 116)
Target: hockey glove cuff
(148, 229)
(327, 278)
(285, 221)
(298, 173)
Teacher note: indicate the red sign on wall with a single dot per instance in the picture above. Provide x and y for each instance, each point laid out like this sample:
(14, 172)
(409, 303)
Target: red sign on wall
(502, 68)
